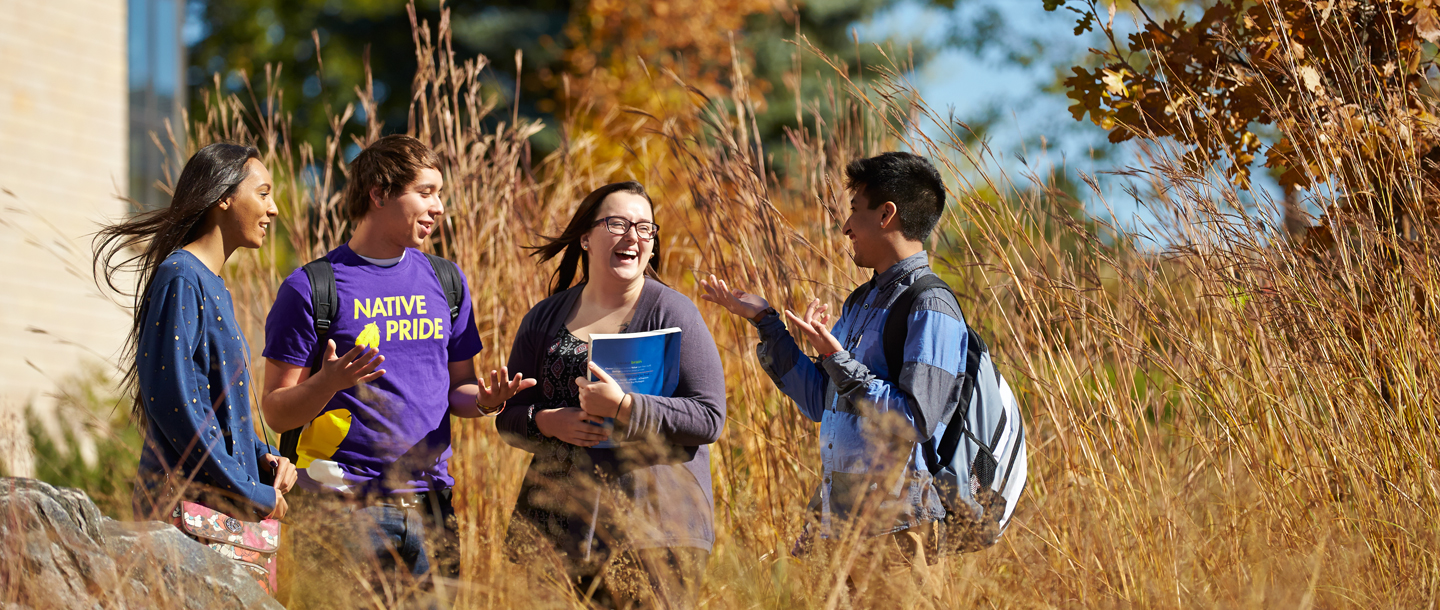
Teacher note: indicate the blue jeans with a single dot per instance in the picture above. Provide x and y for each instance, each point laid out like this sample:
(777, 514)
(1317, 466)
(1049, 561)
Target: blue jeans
(398, 548)
(397, 538)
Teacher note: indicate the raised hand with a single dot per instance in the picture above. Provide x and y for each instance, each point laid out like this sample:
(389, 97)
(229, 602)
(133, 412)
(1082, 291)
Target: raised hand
(356, 366)
(502, 387)
(815, 326)
(738, 302)
(572, 426)
(601, 397)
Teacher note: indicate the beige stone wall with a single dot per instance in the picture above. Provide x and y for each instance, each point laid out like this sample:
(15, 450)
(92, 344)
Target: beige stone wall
(62, 163)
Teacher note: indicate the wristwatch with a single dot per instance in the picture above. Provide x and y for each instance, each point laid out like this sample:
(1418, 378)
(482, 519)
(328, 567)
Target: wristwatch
(761, 316)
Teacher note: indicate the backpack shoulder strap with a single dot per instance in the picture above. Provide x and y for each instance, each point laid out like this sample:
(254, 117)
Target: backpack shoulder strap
(450, 282)
(857, 297)
(897, 327)
(959, 423)
(324, 301)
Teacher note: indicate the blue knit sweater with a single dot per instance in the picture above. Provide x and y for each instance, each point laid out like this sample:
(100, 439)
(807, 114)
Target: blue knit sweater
(194, 377)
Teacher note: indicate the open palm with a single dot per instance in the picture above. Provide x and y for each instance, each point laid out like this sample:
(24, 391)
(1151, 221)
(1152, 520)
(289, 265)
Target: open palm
(738, 302)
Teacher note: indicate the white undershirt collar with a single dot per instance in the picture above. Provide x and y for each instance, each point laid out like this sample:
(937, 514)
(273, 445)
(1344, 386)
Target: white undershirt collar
(383, 262)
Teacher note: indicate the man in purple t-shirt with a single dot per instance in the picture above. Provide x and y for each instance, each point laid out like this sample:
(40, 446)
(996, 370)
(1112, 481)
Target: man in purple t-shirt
(375, 414)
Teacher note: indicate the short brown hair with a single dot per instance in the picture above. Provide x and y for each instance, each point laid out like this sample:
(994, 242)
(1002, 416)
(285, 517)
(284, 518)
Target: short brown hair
(389, 164)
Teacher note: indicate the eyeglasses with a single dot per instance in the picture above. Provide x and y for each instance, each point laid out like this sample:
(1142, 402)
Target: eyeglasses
(620, 226)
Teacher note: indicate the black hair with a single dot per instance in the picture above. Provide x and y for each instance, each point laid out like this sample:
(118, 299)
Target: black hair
(580, 224)
(909, 181)
(210, 176)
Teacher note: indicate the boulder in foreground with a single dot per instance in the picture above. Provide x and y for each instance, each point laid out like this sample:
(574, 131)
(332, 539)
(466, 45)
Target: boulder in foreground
(60, 552)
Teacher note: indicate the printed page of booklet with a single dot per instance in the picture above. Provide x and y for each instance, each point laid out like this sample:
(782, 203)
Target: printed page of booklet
(642, 363)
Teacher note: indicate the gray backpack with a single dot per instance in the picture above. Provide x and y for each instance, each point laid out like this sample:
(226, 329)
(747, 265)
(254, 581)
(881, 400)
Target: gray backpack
(982, 466)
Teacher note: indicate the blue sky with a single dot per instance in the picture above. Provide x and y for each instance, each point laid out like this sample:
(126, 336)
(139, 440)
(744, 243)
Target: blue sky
(1026, 121)
(973, 83)
(1029, 122)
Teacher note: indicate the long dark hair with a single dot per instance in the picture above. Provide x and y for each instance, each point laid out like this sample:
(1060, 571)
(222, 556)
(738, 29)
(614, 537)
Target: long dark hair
(580, 224)
(210, 176)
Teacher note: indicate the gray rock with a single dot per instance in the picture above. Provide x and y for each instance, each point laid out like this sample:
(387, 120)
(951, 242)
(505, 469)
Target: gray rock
(60, 552)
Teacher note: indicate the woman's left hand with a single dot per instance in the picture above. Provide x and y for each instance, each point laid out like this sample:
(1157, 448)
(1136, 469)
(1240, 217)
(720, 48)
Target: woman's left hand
(601, 397)
(285, 473)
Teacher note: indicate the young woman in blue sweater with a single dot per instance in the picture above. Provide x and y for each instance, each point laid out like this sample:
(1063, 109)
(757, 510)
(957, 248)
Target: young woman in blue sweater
(189, 361)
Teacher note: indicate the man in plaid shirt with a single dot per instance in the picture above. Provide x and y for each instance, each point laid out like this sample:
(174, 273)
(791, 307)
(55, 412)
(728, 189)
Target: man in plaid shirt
(897, 201)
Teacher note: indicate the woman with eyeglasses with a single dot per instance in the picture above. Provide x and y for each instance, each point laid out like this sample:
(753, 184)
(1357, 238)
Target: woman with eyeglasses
(639, 518)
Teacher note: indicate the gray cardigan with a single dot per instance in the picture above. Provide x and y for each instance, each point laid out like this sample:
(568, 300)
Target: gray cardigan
(670, 490)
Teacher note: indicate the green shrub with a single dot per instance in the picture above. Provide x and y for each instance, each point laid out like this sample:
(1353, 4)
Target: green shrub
(89, 414)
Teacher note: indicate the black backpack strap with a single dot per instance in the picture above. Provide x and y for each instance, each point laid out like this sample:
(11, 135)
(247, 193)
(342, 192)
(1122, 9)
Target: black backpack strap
(950, 441)
(325, 302)
(858, 296)
(897, 327)
(450, 282)
(1014, 453)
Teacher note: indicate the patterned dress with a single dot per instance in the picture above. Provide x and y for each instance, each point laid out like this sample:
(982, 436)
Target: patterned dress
(557, 507)
(566, 359)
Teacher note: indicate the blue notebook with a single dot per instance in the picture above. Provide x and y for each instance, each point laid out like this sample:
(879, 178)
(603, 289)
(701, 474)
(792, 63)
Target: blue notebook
(642, 363)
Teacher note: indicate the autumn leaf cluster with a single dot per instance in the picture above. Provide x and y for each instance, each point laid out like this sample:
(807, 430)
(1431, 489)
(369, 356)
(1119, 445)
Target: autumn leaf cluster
(1293, 73)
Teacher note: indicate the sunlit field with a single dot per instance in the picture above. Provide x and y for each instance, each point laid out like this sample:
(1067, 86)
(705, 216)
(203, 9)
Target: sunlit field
(1218, 414)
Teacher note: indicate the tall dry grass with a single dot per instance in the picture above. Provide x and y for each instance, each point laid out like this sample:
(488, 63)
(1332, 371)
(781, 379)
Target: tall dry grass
(1224, 419)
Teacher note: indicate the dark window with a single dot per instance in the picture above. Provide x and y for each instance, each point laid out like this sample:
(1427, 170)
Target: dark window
(156, 63)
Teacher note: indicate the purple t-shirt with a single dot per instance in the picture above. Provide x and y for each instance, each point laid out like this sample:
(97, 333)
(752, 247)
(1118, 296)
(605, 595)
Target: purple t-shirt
(393, 434)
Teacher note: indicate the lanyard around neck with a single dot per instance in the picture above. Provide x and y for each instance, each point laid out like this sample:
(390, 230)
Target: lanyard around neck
(855, 333)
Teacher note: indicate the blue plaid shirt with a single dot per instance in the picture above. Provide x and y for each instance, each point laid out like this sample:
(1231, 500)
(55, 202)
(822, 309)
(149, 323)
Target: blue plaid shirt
(850, 390)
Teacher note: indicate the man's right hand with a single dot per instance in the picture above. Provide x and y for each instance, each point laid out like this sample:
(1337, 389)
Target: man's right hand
(572, 426)
(343, 372)
(738, 302)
